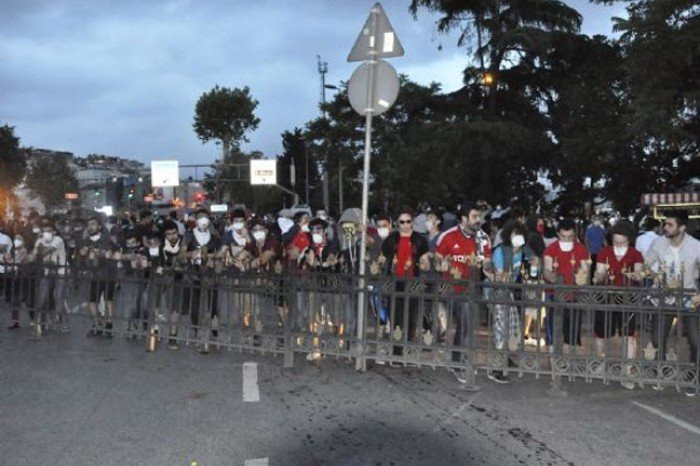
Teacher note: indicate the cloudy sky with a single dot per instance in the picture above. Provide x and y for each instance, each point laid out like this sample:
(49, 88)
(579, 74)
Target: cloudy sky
(121, 77)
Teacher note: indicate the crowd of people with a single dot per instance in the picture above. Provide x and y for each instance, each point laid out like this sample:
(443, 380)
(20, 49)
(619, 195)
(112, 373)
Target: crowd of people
(511, 245)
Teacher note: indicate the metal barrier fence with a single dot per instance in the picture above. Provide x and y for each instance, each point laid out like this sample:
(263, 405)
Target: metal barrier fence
(634, 335)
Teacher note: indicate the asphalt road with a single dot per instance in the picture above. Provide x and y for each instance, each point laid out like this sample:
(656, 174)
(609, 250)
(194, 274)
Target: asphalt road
(72, 400)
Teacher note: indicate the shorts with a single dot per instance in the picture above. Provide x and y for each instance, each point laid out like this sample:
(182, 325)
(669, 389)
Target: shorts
(99, 287)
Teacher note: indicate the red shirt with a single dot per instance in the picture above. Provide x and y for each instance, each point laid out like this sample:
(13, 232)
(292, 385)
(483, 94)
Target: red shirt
(300, 241)
(454, 245)
(404, 255)
(567, 264)
(617, 267)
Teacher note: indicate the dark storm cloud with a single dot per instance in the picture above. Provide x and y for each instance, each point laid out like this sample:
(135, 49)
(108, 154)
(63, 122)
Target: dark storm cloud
(122, 77)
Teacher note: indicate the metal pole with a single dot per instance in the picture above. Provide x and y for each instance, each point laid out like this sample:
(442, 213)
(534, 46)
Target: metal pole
(360, 362)
(340, 185)
(306, 178)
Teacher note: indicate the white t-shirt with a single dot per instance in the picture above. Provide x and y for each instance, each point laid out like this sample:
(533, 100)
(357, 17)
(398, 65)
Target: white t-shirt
(644, 241)
(685, 258)
(5, 241)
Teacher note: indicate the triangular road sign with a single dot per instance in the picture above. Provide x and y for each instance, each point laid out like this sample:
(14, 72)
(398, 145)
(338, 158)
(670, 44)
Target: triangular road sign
(377, 35)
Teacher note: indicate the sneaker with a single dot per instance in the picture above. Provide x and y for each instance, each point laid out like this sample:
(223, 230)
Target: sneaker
(498, 377)
(627, 385)
(93, 332)
(691, 391)
(14, 326)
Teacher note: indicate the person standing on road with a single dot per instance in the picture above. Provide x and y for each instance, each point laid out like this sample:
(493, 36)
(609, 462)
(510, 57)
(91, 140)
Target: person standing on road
(677, 256)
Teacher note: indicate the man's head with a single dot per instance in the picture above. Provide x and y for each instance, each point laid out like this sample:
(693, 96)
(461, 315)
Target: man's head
(566, 232)
(676, 223)
(652, 224)
(94, 226)
(622, 233)
(131, 241)
(170, 232)
(405, 221)
(302, 220)
(47, 229)
(238, 219)
(470, 217)
(383, 223)
(322, 214)
(318, 230)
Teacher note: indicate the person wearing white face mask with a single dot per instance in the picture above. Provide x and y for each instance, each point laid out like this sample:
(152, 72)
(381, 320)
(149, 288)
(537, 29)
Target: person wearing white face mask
(202, 245)
(17, 294)
(615, 266)
(50, 250)
(235, 241)
(564, 260)
(508, 259)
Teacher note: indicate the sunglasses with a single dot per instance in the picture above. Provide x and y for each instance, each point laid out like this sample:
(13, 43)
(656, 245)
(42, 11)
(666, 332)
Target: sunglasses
(403, 222)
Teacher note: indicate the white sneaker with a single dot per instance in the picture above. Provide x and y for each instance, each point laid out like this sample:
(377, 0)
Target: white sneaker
(627, 385)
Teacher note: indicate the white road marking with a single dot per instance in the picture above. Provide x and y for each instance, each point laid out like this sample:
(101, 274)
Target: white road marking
(673, 419)
(257, 462)
(250, 384)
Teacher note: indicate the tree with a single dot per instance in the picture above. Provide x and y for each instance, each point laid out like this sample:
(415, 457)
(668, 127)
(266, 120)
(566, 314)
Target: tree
(13, 165)
(49, 178)
(225, 116)
(296, 150)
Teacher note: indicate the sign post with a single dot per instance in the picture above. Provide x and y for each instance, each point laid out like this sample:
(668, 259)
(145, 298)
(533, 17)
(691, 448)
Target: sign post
(372, 90)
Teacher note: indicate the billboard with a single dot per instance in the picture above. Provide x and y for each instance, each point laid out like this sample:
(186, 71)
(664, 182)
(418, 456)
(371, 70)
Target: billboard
(165, 173)
(263, 172)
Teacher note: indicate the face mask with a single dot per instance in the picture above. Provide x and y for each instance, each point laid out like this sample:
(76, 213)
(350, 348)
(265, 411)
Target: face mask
(305, 228)
(517, 241)
(238, 225)
(566, 246)
(203, 223)
(131, 247)
(318, 238)
(429, 224)
(18, 243)
(47, 235)
(259, 235)
(323, 216)
(95, 237)
(153, 252)
(383, 232)
(36, 230)
(620, 250)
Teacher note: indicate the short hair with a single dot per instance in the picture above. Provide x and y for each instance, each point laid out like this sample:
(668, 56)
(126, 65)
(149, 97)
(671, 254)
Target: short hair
(651, 223)
(383, 216)
(173, 214)
(566, 224)
(238, 213)
(169, 225)
(624, 228)
(680, 216)
(438, 215)
(465, 208)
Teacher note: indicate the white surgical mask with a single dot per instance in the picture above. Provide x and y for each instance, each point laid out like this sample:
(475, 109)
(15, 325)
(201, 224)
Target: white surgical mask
(305, 228)
(47, 236)
(18, 243)
(203, 223)
(36, 230)
(517, 241)
(323, 216)
(566, 246)
(238, 225)
(259, 235)
(95, 237)
(383, 232)
(318, 238)
(153, 252)
(620, 250)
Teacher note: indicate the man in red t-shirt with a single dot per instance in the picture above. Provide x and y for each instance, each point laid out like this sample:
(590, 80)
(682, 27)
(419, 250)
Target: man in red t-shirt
(458, 248)
(613, 262)
(565, 259)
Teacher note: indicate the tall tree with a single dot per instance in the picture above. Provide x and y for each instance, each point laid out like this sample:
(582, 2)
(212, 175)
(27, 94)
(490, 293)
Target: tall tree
(13, 165)
(49, 177)
(297, 151)
(225, 116)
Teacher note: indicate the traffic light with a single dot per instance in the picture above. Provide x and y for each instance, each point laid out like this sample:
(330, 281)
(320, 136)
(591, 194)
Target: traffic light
(97, 192)
(199, 197)
(132, 192)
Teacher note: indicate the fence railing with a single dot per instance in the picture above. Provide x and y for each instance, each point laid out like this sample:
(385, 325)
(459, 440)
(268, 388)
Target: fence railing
(634, 335)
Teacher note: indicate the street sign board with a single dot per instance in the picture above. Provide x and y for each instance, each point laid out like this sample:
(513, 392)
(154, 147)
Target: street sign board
(263, 172)
(218, 208)
(383, 44)
(71, 196)
(165, 173)
(386, 88)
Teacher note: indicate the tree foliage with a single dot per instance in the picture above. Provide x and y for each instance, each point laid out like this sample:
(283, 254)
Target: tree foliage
(49, 177)
(225, 115)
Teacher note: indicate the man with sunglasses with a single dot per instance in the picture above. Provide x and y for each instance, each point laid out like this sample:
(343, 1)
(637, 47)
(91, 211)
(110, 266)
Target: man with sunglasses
(406, 252)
